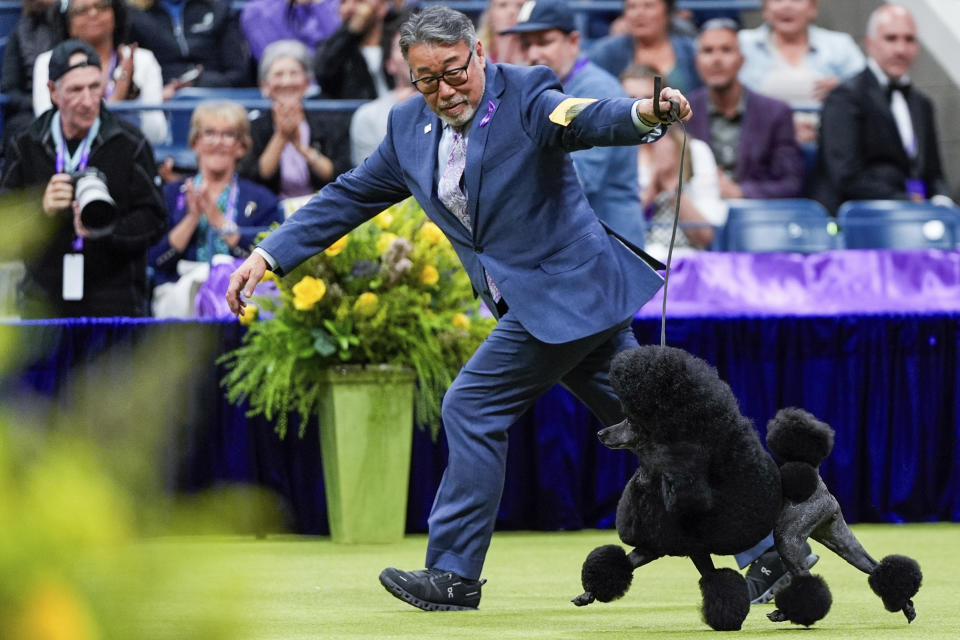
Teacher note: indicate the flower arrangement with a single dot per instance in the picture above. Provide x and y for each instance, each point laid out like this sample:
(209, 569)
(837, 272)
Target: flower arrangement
(392, 291)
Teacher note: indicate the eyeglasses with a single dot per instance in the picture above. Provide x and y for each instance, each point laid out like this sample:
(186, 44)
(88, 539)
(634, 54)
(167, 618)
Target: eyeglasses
(453, 77)
(210, 135)
(90, 9)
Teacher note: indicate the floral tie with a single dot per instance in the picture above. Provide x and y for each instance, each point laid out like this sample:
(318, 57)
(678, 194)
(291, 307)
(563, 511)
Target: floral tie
(452, 196)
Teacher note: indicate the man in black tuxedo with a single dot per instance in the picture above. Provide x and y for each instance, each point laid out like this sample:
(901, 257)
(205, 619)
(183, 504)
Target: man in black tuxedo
(877, 135)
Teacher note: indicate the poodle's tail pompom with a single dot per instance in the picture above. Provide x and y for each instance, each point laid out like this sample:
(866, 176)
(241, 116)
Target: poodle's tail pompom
(799, 480)
(795, 435)
(804, 601)
(896, 580)
(607, 573)
(726, 601)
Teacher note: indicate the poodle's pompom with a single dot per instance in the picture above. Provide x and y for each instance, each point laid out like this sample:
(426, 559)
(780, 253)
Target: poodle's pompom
(799, 480)
(607, 573)
(794, 435)
(805, 600)
(726, 601)
(896, 579)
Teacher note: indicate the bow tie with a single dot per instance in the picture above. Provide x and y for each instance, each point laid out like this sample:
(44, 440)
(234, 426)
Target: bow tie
(896, 85)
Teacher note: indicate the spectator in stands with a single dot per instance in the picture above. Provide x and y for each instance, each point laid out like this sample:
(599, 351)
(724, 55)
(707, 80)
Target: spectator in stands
(309, 21)
(214, 212)
(649, 42)
(701, 209)
(350, 63)
(499, 16)
(878, 138)
(369, 123)
(751, 135)
(130, 73)
(89, 266)
(608, 175)
(294, 152)
(33, 34)
(190, 36)
(790, 58)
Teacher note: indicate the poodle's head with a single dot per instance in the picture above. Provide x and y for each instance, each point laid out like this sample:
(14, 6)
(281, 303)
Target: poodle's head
(671, 395)
(795, 435)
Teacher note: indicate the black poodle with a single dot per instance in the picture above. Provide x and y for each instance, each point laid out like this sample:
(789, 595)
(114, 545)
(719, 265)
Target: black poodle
(705, 485)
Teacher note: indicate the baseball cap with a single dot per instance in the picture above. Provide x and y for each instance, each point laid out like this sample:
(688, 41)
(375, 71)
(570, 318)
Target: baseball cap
(60, 58)
(541, 15)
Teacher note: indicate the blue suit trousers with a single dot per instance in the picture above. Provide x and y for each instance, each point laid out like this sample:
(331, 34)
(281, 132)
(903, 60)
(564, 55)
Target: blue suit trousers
(509, 371)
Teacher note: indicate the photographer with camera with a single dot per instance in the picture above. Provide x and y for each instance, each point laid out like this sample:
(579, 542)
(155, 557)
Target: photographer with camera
(102, 207)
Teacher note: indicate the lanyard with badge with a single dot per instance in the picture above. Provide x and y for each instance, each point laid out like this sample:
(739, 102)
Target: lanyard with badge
(73, 163)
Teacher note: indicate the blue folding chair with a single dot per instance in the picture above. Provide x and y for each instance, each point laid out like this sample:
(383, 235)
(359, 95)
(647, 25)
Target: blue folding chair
(795, 225)
(898, 224)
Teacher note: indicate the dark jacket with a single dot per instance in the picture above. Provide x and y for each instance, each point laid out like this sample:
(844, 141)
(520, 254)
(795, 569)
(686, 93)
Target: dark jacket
(342, 70)
(31, 36)
(860, 154)
(210, 36)
(256, 210)
(769, 160)
(115, 266)
(328, 134)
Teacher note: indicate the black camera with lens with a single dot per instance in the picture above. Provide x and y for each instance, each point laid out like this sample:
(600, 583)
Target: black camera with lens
(98, 210)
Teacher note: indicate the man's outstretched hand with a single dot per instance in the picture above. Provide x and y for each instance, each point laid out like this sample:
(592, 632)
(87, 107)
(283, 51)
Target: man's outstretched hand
(243, 280)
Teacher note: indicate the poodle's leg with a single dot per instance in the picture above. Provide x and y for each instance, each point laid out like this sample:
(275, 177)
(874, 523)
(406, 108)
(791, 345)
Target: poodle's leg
(638, 557)
(726, 601)
(835, 535)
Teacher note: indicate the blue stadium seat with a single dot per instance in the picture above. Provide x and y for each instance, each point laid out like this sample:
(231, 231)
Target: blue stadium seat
(788, 224)
(898, 224)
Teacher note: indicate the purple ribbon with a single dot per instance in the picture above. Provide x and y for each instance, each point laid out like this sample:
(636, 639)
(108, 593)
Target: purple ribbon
(491, 107)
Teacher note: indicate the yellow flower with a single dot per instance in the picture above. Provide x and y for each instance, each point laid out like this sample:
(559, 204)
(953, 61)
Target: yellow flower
(461, 321)
(337, 247)
(366, 304)
(429, 275)
(383, 220)
(385, 240)
(250, 313)
(54, 611)
(308, 292)
(269, 276)
(431, 233)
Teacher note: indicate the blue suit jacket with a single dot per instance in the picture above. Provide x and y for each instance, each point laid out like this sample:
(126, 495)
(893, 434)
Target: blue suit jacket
(562, 275)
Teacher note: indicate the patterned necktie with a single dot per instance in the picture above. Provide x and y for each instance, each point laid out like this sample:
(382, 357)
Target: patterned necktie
(452, 196)
(448, 188)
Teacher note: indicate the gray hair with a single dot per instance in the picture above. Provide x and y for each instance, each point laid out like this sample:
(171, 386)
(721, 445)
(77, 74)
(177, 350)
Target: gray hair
(727, 24)
(284, 49)
(437, 25)
(876, 14)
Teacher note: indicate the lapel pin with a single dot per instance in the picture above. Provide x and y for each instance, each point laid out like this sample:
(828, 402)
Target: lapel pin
(491, 107)
(428, 128)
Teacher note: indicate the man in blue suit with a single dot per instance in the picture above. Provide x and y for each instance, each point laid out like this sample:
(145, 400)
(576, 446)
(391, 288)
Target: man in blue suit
(484, 151)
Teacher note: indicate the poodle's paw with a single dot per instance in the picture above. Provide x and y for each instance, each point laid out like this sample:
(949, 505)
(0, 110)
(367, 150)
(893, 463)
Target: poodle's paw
(607, 573)
(776, 616)
(726, 601)
(896, 580)
(583, 599)
(805, 600)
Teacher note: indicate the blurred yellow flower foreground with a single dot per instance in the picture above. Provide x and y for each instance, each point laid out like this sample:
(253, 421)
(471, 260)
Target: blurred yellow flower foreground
(392, 291)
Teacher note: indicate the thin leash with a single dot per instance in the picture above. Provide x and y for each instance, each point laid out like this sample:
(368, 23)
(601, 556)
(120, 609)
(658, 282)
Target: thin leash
(671, 116)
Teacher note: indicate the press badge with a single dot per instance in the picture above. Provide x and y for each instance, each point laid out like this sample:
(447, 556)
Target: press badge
(73, 276)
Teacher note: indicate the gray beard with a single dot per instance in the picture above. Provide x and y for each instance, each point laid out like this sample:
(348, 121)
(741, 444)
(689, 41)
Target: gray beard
(469, 113)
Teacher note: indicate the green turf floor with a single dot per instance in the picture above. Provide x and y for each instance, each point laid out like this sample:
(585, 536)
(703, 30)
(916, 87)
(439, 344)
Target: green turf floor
(289, 587)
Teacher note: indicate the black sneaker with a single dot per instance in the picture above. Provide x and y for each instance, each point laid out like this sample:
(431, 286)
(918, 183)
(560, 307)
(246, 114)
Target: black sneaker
(766, 575)
(432, 589)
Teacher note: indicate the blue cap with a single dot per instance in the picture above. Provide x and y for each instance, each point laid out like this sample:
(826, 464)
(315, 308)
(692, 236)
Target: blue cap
(542, 15)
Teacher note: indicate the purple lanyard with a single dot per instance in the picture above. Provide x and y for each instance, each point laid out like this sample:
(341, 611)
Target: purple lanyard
(111, 83)
(581, 63)
(81, 164)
